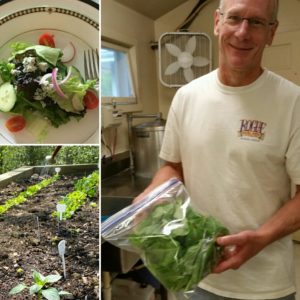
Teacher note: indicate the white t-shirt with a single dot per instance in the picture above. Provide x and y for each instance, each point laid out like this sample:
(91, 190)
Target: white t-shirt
(240, 150)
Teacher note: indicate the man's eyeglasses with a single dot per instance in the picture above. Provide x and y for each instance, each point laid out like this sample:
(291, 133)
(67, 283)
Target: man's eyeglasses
(255, 23)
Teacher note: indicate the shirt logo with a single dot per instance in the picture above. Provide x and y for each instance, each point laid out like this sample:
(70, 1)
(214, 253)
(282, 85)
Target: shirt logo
(252, 130)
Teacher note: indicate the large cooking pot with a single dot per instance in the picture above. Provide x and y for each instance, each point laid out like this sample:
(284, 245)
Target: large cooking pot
(147, 139)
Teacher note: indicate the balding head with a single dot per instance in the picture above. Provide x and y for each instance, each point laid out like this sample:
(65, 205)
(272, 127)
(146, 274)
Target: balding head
(274, 12)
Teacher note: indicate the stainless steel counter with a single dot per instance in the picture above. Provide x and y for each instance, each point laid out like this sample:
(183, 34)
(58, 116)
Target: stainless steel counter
(117, 192)
(123, 184)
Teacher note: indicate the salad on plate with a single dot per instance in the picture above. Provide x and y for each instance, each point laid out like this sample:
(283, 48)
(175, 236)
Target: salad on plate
(41, 88)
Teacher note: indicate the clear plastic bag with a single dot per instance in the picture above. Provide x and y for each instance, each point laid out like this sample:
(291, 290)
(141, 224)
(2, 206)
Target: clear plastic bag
(176, 244)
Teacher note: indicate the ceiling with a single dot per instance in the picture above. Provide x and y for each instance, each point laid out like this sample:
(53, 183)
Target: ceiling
(152, 8)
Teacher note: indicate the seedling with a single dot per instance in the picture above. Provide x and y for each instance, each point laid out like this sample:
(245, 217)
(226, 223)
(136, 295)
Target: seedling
(30, 191)
(61, 252)
(41, 287)
(20, 271)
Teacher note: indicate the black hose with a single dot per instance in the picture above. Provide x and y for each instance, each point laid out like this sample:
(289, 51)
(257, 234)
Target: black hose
(192, 15)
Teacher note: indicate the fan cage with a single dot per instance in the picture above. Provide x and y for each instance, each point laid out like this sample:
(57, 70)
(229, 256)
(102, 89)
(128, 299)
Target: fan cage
(180, 39)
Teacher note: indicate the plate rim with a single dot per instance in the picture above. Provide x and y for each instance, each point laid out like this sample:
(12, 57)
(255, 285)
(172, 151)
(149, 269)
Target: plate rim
(89, 2)
(49, 9)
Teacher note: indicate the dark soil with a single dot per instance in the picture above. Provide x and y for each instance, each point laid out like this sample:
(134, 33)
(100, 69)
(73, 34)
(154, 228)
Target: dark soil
(23, 246)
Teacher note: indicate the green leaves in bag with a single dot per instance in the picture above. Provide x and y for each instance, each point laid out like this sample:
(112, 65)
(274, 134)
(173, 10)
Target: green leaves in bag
(178, 245)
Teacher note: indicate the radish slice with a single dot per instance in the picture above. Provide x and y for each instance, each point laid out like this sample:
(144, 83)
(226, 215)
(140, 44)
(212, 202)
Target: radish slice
(58, 90)
(68, 53)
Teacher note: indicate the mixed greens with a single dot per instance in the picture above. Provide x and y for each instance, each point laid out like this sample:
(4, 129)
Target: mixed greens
(178, 245)
(37, 84)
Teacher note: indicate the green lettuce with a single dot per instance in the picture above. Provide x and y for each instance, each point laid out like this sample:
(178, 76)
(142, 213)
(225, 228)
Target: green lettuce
(73, 86)
(5, 71)
(48, 54)
(179, 249)
(51, 111)
(19, 46)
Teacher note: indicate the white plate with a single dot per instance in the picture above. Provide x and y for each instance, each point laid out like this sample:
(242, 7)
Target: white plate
(73, 21)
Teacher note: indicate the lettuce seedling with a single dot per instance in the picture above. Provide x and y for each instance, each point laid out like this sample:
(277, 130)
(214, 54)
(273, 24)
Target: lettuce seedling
(41, 288)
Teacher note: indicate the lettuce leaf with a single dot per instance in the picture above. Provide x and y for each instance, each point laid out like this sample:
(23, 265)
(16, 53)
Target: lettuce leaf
(73, 86)
(178, 246)
(50, 55)
(51, 111)
(5, 71)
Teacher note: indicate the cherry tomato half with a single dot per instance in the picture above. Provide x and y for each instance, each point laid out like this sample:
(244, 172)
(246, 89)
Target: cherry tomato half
(47, 40)
(15, 123)
(90, 100)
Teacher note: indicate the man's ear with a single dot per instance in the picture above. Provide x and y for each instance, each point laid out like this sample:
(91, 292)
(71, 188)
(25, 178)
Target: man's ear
(217, 23)
(272, 33)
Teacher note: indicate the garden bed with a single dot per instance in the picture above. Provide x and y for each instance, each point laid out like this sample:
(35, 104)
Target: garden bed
(29, 236)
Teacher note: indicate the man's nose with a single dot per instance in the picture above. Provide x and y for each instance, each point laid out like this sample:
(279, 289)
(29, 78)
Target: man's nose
(244, 28)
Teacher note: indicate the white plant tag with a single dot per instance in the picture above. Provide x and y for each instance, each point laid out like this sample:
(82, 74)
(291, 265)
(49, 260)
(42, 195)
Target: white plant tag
(57, 170)
(61, 208)
(62, 247)
(61, 252)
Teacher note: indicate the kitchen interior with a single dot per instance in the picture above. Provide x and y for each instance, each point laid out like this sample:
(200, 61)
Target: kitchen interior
(133, 120)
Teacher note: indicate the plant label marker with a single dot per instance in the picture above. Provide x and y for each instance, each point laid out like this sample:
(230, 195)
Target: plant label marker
(57, 170)
(61, 208)
(38, 226)
(61, 252)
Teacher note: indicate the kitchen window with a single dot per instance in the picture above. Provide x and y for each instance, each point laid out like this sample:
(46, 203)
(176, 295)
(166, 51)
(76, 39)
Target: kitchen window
(117, 78)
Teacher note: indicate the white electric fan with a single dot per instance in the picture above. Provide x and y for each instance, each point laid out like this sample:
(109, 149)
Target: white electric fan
(183, 56)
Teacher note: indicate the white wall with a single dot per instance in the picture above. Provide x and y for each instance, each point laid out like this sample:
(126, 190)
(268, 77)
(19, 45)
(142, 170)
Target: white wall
(169, 22)
(124, 25)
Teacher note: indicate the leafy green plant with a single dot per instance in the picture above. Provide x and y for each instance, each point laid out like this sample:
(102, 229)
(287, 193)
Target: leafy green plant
(41, 287)
(88, 184)
(84, 188)
(30, 191)
(178, 246)
(73, 201)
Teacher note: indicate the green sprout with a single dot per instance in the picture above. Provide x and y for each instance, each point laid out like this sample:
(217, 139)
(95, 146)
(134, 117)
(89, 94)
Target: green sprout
(20, 271)
(41, 287)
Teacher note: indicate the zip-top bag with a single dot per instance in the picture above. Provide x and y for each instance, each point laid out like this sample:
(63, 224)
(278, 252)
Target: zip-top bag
(176, 244)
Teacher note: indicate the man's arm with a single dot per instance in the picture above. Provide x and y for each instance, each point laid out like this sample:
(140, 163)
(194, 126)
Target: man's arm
(169, 170)
(248, 243)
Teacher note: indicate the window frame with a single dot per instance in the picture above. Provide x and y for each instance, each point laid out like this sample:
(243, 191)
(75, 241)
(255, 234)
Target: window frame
(130, 50)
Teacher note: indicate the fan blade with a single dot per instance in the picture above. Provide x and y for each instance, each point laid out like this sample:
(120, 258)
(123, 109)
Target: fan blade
(191, 45)
(200, 61)
(188, 74)
(172, 68)
(173, 50)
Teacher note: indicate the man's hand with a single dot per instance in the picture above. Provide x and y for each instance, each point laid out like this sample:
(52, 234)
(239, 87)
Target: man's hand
(238, 248)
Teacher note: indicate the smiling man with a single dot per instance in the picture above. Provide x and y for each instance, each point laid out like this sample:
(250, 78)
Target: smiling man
(244, 28)
(233, 138)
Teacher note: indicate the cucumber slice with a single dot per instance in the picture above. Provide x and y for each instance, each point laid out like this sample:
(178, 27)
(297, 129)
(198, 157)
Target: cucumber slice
(77, 103)
(8, 97)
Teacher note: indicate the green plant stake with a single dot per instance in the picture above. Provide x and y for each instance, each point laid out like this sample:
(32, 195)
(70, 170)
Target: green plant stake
(41, 287)
(61, 252)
